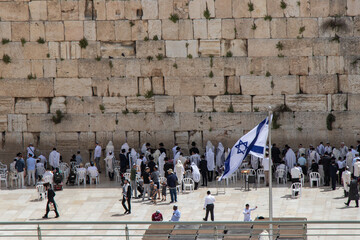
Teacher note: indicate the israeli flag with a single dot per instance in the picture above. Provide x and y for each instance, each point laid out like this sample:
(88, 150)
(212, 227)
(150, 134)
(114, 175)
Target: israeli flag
(254, 142)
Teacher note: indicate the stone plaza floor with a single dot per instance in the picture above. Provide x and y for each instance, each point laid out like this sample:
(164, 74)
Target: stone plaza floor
(101, 203)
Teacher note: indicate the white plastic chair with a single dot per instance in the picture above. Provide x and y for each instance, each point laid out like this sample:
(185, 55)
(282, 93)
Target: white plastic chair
(48, 179)
(87, 165)
(280, 174)
(260, 174)
(14, 177)
(188, 183)
(93, 174)
(302, 179)
(3, 178)
(127, 175)
(117, 174)
(296, 188)
(314, 177)
(162, 179)
(81, 175)
(41, 190)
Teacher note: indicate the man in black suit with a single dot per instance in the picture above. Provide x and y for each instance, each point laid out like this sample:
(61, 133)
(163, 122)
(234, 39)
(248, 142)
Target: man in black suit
(124, 163)
(50, 196)
(126, 197)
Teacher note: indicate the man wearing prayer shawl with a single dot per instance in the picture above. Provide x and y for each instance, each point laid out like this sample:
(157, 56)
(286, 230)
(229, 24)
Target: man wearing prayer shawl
(109, 148)
(289, 158)
(210, 158)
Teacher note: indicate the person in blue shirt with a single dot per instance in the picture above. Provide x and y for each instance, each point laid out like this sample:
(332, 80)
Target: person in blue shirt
(176, 214)
(172, 182)
(302, 162)
(20, 168)
(31, 162)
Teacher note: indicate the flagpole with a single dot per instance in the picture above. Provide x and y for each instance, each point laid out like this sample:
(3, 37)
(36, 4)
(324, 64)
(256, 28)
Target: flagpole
(270, 178)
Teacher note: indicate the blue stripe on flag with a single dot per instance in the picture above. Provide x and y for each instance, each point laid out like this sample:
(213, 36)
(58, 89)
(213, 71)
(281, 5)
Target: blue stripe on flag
(257, 149)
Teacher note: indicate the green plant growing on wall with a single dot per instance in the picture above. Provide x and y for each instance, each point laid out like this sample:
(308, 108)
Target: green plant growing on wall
(41, 40)
(298, 3)
(276, 115)
(6, 58)
(250, 6)
(155, 38)
(58, 117)
(175, 65)
(149, 58)
(102, 108)
(301, 30)
(211, 74)
(267, 74)
(256, 109)
(335, 24)
(149, 94)
(48, 55)
(300, 129)
(336, 38)
(174, 17)
(159, 57)
(189, 56)
(230, 108)
(279, 46)
(131, 23)
(146, 39)
(329, 121)
(207, 13)
(229, 54)
(280, 55)
(199, 110)
(253, 27)
(126, 111)
(135, 111)
(111, 65)
(283, 4)
(98, 58)
(272, 85)
(267, 18)
(23, 41)
(5, 41)
(83, 43)
(211, 61)
(116, 121)
(31, 76)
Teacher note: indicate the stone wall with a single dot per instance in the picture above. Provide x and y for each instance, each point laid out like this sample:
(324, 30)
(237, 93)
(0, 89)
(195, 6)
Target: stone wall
(176, 71)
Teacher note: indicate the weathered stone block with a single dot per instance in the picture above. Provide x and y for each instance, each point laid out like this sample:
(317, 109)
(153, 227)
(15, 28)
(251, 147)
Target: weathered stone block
(339, 102)
(259, 9)
(228, 28)
(240, 9)
(114, 104)
(6, 105)
(278, 28)
(70, 10)
(37, 68)
(29, 106)
(241, 103)
(5, 30)
(274, 9)
(144, 85)
(105, 31)
(49, 68)
(117, 50)
(83, 105)
(115, 10)
(150, 9)
(209, 47)
(297, 47)
(176, 49)
(38, 10)
(139, 30)
(262, 103)
(203, 104)
(200, 29)
(14, 11)
(184, 104)
(304, 103)
(158, 85)
(237, 47)
(285, 85)
(140, 104)
(322, 47)
(317, 65)
(37, 30)
(318, 84)
(133, 68)
(223, 9)
(222, 103)
(54, 10)
(214, 28)
(170, 30)
(17, 69)
(319, 8)
(165, 8)
(256, 85)
(149, 48)
(292, 9)
(17, 123)
(244, 28)
(311, 27)
(72, 87)
(197, 8)
(193, 48)
(233, 85)
(35, 51)
(353, 102)
(91, 68)
(335, 64)
(123, 86)
(164, 104)
(58, 103)
(3, 123)
(90, 30)
(349, 83)
(54, 31)
(262, 28)
(132, 8)
(353, 8)
(262, 47)
(154, 29)
(18, 30)
(122, 30)
(67, 68)
(186, 29)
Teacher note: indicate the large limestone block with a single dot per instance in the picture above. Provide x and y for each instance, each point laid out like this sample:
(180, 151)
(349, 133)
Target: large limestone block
(154, 68)
(72, 87)
(292, 9)
(115, 10)
(194, 86)
(311, 27)
(140, 104)
(149, 48)
(186, 29)
(123, 86)
(195, 121)
(91, 68)
(297, 47)
(58, 103)
(70, 123)
(278, 28)
(353, 7)
(320, 8)
(154, 29)
(259, 9)
(133, 68)
(262, 47)
(5, 30)
(176, 49)
(244, 28)
(38, 10)
(54, 31)
(99, 10)
(349, 47)
(3, 123)
(150, 9)
(18, 30)
(209, 47)
(67, 68)
(335, 64)
(119, 68)
(285, 85)
(158, 85)
(277, 66)
(322, 47)
(203, 104)
(214, 28)
(317, 65)
(222, 103)
(105, 31)
(262, 103)
(182, 139)
(54, 10)
(65, 141)
(6, 105)
(240, 9)
(103, 122)
(139, 30)
(193, 48)
(298, 65)
(17, 123)
(304, 103)
(318, 84)
(37, 68)
(13, 49)
(256, 85)
(237, 47)
(164, 104)
(122, 30)
(197, 8)
(37, 30)
(54, 50)
(241, 103)
(262, 28)
(223, 9)
(353, 102)
(14, 11)
(165, 8)
(100, 87)
(35, 51)
(144, 85)
(274, 9)
(30, 106)
(70, 10)
(91, 51)
(17, 69)
(116, 50)
(233, 85)
(349, 84)
(74, 30)
(200, 29)
(133, 10)
(181, 7)
(184, 104)
(47, 140)
(170, 30)
(305, 8)
(83, 105)
(228, 28)
(339, 102)
(90, 30)
(34, 88)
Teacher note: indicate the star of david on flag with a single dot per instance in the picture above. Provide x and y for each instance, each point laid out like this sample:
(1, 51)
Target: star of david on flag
(254, 142)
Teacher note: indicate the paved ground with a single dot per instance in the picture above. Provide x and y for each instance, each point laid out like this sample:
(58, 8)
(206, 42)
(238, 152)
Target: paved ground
(101, 203)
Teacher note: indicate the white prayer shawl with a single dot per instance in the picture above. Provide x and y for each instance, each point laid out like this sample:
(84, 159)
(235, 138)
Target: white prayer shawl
(210, 159)
(254, 162)
(133, 156)
(320, 149)
(54, 159)
(290, 159)
(177, 156)
(156, 156)
(195, 159)
(195, 172)
(31, 150)
(109, 148)
(354, 152)
(220, 155)
(346, 178)
(109, 163)
(357, 169)
(161, 164)
(328, 149)
(143, 148)
(343, 151)
(349, 159)
(313, 156)
(301, 151)
(174, 150)
(126, 147)
(179, 170)
(209, 145)
(336, 153)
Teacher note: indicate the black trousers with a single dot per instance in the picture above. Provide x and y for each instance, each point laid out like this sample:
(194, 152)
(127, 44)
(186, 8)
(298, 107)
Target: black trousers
(128, 202)
(356, 201)
(204, 177)
(209, 208)
(326, 177)
(48, 208)
(211, 175)
(333, 182)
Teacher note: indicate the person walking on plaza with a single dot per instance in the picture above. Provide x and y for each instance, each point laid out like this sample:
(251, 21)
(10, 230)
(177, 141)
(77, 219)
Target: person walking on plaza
(157, 216)
(20, 168)
(346, 179)
(209, 206)
(133, 180)
(51, 202)
(353, 192)
(176, 214)
(97, 156)
(247, 212)
(126, 196)
(172, 182)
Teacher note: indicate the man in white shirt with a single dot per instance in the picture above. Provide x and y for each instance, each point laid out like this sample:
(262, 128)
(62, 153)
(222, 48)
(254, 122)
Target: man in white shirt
(92, 168)
(343, 150)
(266, 165)
(328, 148)
(301, 150)
(320, 149)
(247, 213)
(295, 174)
(346, 178)
(43, 160)
(30, 149)
(357, 168)
(313, 155)
(54, 159)
(97, 156)
(209, 206)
